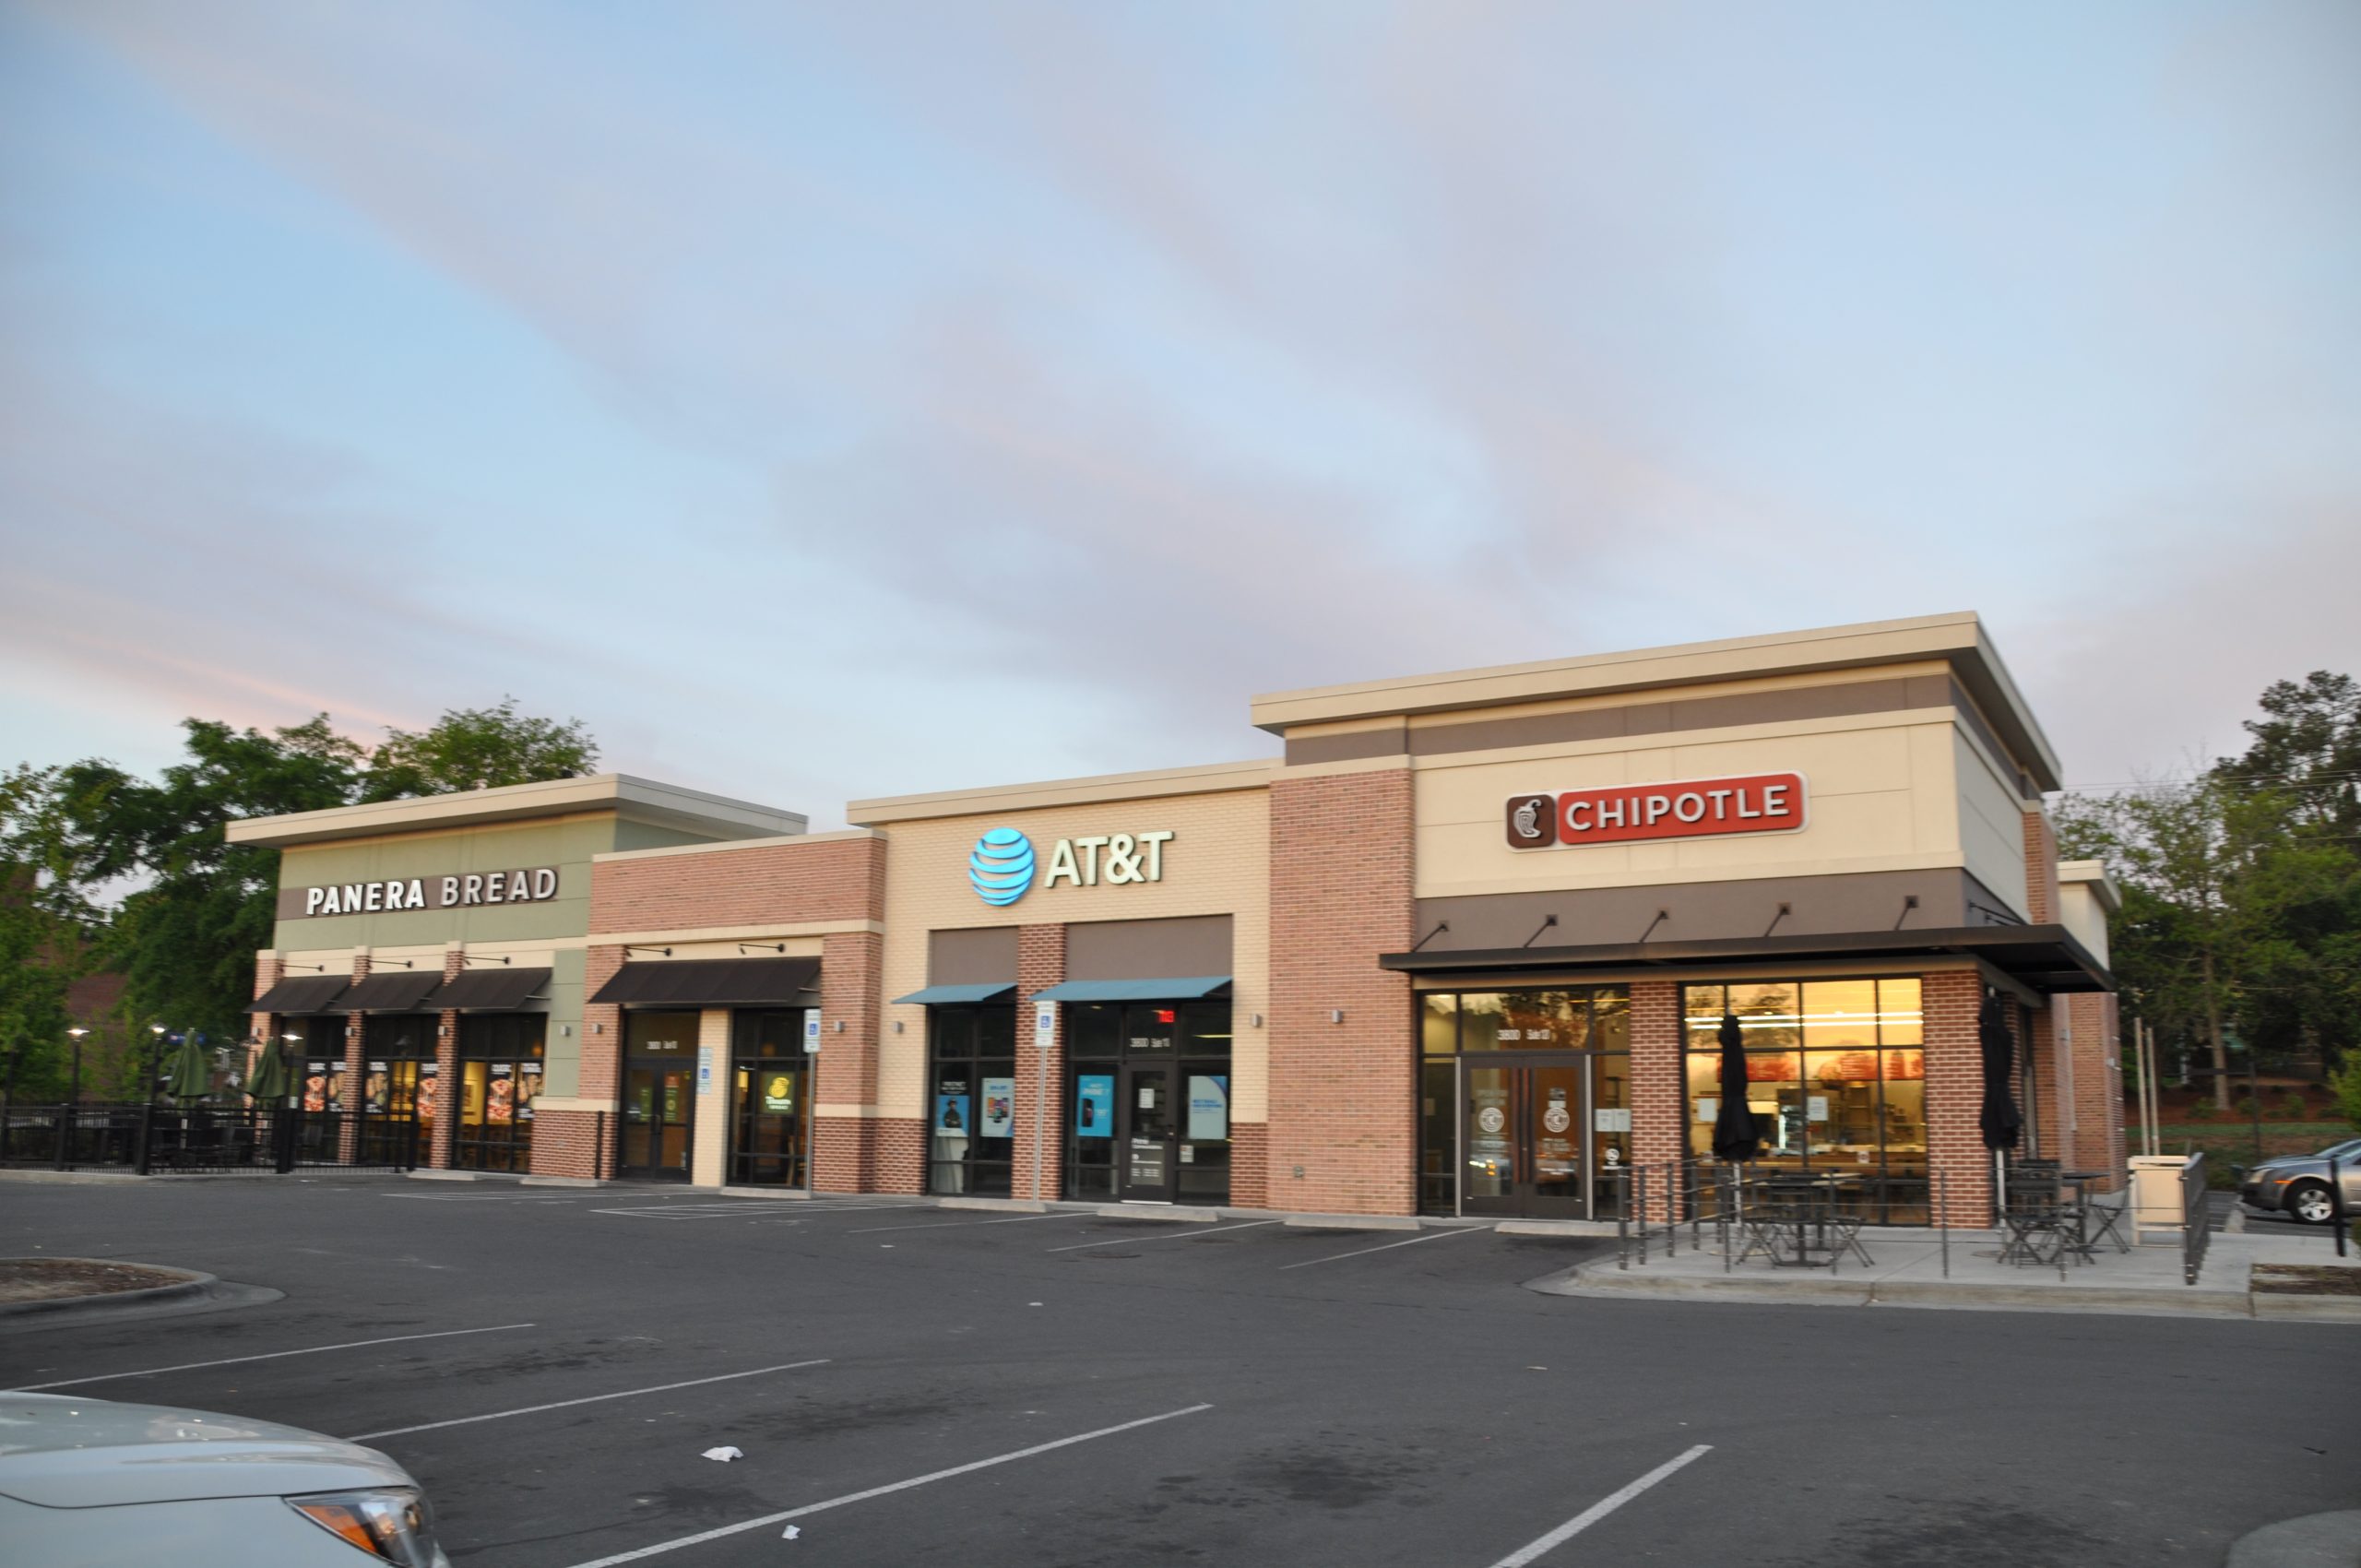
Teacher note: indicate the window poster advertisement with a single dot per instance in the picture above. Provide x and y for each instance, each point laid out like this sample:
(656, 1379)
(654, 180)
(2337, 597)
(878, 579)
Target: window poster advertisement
(951, 1114)
(1000, 1109)
(1208, 1107)
(500, 1094)
(778, 1093)
(1094, 1105)
(315, 1085)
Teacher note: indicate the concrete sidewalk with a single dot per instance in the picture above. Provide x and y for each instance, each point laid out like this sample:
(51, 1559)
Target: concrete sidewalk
(1909, 1271)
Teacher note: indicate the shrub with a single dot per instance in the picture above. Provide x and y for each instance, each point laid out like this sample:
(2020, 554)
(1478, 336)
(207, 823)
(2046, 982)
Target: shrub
(2201, 1111)
(2249, 1106)
(2345, 1085)
(2293, 1106)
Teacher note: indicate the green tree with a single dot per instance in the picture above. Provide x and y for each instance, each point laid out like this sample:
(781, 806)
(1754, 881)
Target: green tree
(44, 942)
(184, 938)
(477, 748)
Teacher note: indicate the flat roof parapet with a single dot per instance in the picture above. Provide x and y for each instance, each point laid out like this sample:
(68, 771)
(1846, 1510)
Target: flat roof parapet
(643, 799)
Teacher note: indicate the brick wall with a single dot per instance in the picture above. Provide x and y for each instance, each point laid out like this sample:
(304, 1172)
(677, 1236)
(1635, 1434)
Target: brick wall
(779, 881)
(2050, 1123)
(2099, 1141)
(265, 1028)
(1955, 1094)
(450, 1097)
(1040, 964)
(856, 1150)
(1342, 1097)
(1249, 1165)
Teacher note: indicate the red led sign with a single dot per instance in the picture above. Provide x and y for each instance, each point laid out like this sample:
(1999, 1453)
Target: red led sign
(1625, 813)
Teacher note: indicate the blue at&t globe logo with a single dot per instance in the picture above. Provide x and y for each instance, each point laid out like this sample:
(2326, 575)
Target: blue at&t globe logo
(1002, 866)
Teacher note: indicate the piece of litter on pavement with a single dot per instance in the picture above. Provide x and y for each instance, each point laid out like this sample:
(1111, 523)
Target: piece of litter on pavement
(1032, 1303)
(725, 1453)
(793, 1531)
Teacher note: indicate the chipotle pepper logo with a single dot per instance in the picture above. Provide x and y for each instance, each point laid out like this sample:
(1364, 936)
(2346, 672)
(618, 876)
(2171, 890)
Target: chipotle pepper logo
(1693, 808)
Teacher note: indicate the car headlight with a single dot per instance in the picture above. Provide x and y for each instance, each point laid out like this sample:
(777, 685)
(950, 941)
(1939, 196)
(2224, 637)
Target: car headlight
(392, 1526)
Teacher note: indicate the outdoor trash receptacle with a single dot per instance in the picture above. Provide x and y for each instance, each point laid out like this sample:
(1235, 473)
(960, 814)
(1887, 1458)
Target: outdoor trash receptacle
(2156, 1196)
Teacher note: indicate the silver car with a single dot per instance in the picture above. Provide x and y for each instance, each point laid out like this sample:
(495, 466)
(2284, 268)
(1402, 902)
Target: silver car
(88, 1483)
(2296, 1184)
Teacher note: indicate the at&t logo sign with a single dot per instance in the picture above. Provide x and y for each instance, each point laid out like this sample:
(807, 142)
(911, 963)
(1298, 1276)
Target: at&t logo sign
(1000, 866)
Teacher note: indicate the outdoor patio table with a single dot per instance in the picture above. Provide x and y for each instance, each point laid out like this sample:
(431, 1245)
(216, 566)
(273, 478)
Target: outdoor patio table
(2085, 1243)
(1810, 1222)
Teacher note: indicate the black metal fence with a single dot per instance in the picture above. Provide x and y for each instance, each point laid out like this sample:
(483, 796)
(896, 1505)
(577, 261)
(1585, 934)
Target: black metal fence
(204, 1139)
(2196, 1218)
(1654, 1205)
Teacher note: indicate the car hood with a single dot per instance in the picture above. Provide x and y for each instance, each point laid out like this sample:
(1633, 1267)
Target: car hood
(62, 1451)
(2291, 1162)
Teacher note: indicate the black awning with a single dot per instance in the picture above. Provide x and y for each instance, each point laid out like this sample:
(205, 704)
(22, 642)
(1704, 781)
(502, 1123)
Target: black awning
(715, 982)
(2046, 958)
(302, 996)
(396, 990)
(492, 989)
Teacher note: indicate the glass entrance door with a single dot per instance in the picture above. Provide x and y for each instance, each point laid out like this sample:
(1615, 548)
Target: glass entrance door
(1150, 1133)
(660, 1104)
(1523, 1137)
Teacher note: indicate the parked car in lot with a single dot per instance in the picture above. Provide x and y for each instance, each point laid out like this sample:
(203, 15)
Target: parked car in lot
(2296, 1184)
(90, 1483)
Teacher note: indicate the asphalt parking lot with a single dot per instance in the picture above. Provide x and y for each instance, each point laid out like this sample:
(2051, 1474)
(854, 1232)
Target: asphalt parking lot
(916, 1385)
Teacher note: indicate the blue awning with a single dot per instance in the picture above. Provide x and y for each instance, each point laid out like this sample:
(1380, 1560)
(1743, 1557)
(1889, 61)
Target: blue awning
(1165, 990)
(944, 995)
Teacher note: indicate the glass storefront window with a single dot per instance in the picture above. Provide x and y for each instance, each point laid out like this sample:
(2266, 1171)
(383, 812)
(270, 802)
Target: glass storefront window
(1439, 1024)
(500, 1077)
(1851, 1100)
(1148, 1088)
(769, 1119)
(971, 1106)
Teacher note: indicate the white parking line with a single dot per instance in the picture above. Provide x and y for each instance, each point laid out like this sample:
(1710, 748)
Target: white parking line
(588, 1399)
(268, 1355)
(478, 1197)
(962, 1224)
(733, 1211)
(767, 1519)
(1599, 1510)
(1364, 1251)
(1183, 1233)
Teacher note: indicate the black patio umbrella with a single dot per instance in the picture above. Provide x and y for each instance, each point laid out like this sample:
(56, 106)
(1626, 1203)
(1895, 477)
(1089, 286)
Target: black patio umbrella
(2001, 1119)
(1736, 1137)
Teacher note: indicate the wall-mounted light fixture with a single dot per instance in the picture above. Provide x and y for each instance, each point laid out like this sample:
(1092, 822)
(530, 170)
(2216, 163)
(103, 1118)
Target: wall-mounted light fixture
(1336, 1015)
(392, 964)
(564, 1030)
(897, 1025)
(629, 951)
(840, 1026)
(485, 958)
(1258, 1019)
(762, 947)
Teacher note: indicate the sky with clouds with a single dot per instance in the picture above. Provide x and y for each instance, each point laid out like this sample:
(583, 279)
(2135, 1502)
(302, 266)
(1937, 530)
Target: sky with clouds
(856, 399)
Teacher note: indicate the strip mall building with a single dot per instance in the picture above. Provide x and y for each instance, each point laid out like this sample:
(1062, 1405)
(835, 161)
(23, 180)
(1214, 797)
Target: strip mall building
(1460, 949)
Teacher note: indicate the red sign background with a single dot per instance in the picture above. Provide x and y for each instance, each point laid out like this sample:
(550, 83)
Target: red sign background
(1693, 808)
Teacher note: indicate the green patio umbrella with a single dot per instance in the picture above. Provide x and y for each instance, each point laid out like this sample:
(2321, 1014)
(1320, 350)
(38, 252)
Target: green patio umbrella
(269, 1083)
(190, 1070)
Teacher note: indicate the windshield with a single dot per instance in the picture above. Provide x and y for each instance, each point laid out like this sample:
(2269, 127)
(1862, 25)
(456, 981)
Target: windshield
(2349, 1150)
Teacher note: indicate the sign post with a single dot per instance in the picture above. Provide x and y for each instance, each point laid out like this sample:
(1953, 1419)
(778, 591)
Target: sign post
(1045, 1035)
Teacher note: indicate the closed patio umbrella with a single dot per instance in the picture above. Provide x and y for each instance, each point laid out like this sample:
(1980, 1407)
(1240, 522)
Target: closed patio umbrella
(190, 1070)
(2001, 1119)
(270, 1083)
(1736, 1137)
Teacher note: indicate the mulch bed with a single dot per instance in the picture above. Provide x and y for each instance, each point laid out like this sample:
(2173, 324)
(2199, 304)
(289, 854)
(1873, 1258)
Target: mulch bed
(2306, 1279)
(49, 1279)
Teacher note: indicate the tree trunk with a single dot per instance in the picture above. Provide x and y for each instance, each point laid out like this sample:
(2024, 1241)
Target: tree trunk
(2221, 1047)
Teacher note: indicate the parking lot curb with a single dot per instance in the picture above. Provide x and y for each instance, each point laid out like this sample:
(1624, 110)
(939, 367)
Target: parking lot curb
(995, 1205)
(2315, 1540)
(74, 1178)
(559, 1182)
(1590, 1228)
(1604, 1280)
(190, 1284)
(444, 1176)
(1162, 1216)
(1350, 1222)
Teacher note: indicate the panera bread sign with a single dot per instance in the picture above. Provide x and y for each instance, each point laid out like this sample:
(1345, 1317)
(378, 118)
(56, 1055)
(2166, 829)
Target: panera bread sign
(533, 885)
(1626, 814)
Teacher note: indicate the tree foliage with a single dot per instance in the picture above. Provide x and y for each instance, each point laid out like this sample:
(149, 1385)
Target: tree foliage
(194, 908)
(2241, 924)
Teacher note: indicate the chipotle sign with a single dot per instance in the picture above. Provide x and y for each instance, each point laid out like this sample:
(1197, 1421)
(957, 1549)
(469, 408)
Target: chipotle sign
(1626, 814)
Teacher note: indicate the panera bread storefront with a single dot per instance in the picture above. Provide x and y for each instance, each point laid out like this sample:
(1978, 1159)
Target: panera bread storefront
(1466, 947)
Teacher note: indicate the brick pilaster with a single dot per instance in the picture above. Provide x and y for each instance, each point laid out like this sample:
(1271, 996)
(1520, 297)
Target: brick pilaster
(856, 1153)
(356, 1076)
(449, 1095)
(1659, 1087)
(2043, 899)
(1040, 964)
(1955, 1094)
(1343, 1094)
(264, 1028)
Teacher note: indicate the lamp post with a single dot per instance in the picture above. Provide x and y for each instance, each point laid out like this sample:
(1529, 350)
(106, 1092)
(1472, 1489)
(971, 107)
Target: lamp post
(74, 1096)
(147, 1108)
